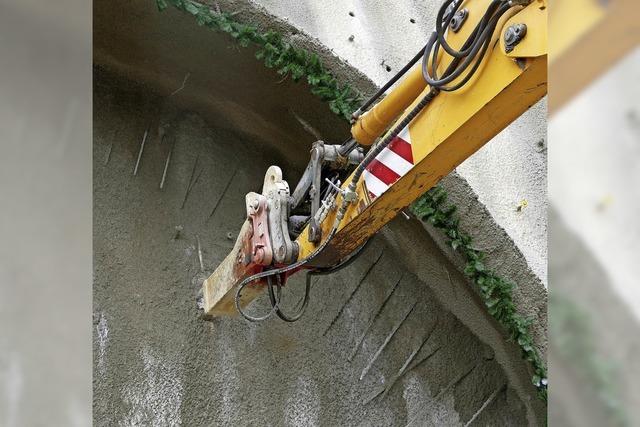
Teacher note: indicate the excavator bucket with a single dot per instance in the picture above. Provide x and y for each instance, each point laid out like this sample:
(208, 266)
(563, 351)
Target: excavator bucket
(219, 289)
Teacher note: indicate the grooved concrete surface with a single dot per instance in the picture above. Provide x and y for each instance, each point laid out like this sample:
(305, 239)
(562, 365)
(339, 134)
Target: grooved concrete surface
(156, 363)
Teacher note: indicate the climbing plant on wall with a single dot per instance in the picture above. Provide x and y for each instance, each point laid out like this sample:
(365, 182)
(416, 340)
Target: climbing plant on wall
(299, 63)
(496, 292)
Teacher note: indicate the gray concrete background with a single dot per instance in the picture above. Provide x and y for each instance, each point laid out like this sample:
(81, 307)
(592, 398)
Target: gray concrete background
(156, 362)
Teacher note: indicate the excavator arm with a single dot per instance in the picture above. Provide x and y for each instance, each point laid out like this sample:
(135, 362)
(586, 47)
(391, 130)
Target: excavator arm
(483, 66)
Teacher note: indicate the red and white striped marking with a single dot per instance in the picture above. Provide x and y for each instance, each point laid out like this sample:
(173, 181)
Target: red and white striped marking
(390, 165)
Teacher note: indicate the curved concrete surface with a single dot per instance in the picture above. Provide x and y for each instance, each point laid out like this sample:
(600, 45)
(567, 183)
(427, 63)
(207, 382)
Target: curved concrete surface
(397, 338)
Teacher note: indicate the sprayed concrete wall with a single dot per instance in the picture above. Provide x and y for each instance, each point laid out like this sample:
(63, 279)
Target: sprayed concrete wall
(396, 338)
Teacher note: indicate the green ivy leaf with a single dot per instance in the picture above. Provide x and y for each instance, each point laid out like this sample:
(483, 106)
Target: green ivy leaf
(162, 5)
(191, 8)
(313, 79)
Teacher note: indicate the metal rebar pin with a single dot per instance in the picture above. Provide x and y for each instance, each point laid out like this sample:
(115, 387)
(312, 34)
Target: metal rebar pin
(224, 191)
(166, 166)
(200, 253)
(144, 138)
(193, 172)
(108, 156)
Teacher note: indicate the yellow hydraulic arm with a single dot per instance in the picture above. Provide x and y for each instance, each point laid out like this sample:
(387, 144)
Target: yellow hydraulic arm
(418, 134)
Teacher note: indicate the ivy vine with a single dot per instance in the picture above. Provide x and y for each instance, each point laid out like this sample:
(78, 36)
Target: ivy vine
(495, 291)
(299, 63)
(277, 53)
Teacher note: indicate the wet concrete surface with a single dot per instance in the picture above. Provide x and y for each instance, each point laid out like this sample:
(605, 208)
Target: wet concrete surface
(374, 348)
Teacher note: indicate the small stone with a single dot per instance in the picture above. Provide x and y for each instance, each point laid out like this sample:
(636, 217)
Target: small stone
(523, 204)
(352, 14)
(230, 235)
(352, 37)
(413, 21)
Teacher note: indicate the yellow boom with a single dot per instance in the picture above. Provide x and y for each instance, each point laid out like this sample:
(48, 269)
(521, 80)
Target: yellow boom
(511, 77)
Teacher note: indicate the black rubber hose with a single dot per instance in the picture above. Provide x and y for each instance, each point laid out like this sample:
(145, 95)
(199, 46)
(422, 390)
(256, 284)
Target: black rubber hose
(391, 81)
(468, 44)
(470, 74)
(276, 303)
(455, 62)
(343, 264)
(255, 318)
(377, 149)
(275, 271)
(319, 272)
(484, 36)
(443, 22)
(440, 20)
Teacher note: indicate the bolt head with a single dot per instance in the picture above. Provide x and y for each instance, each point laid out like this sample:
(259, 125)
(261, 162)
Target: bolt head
(514, 34)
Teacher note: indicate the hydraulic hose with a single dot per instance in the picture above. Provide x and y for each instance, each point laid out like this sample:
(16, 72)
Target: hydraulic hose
(377, 149)
(475, 47)
(275, 271)
(389, 83)
(275, 300)
(478, 42)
